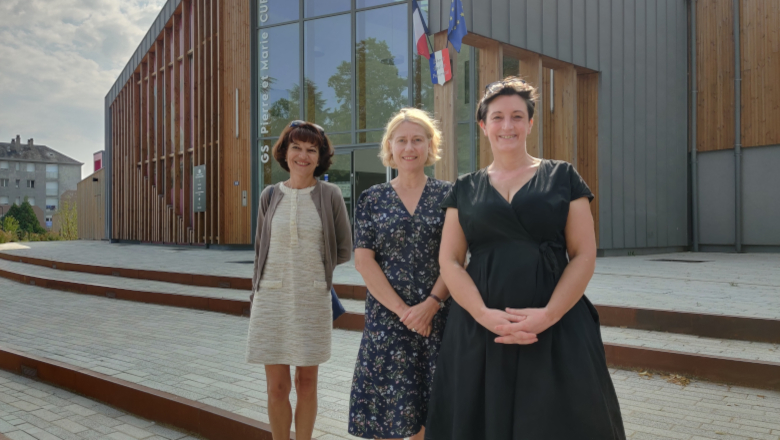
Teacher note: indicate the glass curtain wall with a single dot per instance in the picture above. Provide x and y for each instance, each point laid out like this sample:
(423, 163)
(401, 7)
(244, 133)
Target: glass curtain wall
(346, 65)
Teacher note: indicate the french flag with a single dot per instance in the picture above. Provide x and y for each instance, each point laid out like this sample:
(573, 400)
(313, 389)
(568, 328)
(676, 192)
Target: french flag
(441, 72)
(420, 31)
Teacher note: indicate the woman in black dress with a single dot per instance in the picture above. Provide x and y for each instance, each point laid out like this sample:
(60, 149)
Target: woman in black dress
(522, 356)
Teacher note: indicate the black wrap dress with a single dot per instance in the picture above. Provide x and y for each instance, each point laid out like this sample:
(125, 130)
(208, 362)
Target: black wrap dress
(556, 388)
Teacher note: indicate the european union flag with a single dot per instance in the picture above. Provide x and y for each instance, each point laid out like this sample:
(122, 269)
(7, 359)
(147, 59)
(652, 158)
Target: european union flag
(457, 29)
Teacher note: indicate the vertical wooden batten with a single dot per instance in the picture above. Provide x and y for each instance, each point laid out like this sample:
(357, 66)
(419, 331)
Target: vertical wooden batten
(491, 62)
(588, 138)
(444, 104)
(531, 71)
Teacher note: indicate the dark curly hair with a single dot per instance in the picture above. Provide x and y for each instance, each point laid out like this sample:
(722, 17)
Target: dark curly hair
(305, 132)
(511, 85)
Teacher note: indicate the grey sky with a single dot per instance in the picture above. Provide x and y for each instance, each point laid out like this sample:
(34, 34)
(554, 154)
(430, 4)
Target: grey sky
(58, 58)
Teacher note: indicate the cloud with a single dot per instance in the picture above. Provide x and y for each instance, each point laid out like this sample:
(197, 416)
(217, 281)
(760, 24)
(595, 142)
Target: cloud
(58, 59)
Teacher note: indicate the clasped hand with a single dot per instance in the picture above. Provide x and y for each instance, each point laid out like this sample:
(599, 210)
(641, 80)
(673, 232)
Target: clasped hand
(418, 318)
(516, 326)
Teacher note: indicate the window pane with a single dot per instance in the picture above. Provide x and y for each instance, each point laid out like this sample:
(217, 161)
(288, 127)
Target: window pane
(313, 8)
(368, 3)
(340, 174)
(277, 11)
(328, 72)
(280, 90)
(272, 171)
(381, 53)
(52, 189)
(370, 137)
(340, 139)
(511, 67)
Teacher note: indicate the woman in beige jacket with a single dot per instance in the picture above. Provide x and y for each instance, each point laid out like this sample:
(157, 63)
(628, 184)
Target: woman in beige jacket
(303, 232)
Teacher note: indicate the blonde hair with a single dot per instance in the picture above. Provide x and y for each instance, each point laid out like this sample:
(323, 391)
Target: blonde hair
(419, 117)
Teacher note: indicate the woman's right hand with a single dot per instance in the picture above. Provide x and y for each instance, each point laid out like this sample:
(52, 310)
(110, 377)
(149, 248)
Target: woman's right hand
(492, 318)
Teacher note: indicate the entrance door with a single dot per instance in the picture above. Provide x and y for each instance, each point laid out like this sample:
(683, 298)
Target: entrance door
(354, 171)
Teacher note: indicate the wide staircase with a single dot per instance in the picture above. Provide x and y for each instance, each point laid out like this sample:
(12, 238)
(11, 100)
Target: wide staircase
(682, 370)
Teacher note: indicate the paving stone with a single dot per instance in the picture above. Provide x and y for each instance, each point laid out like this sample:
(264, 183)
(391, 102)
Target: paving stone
(71, 423)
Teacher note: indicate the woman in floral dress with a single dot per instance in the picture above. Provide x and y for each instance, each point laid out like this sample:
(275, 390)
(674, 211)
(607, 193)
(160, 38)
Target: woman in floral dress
(398, 229)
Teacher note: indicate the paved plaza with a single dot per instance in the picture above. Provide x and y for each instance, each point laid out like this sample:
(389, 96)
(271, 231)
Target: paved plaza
(200, 356)
(723, 284)
(31, 410)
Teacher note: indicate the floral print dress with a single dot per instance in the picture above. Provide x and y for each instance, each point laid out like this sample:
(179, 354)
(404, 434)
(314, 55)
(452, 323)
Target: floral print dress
(394, 368)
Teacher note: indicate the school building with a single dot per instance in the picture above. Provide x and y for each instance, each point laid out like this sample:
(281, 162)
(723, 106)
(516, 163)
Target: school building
(668, 108)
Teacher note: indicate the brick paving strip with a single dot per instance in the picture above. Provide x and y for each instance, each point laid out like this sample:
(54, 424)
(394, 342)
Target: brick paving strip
(200, 356)
(34, 410)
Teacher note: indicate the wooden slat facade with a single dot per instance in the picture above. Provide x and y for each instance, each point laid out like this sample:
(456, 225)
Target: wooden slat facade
(760, 70)
(715, 75)
(236, 211)
(91, 207)
(168, 118)
(760, 47)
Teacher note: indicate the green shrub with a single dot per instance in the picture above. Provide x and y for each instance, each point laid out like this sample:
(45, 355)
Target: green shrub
(25, 215)
(10, 224)
(8, 237)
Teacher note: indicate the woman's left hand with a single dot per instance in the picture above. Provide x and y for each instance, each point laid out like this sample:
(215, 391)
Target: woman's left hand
(418, 318)
(534, 321)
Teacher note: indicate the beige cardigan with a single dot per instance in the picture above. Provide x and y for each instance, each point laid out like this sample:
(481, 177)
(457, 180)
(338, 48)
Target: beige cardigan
(335, 228)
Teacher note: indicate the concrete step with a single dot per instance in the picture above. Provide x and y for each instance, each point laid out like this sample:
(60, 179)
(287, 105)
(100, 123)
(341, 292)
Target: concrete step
(229, 300)
(199, 357)
(626, 347)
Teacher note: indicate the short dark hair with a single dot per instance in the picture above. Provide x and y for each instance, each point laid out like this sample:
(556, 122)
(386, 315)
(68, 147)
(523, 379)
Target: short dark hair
(511, 85)
(304, 132)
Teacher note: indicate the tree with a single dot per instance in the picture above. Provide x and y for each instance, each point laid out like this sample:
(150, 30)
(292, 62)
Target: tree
(24, 214)
(380, 89)
(68, 220)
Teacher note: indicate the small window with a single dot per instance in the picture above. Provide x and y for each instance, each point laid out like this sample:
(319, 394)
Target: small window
(31, 200)
(30, 167)
(52, 189)
(51, 204)
(4, 183)
(30, 183)
(3, 165)
(17, 183)
(52, 171)
(18, 202)
(3, 200)
(17, 166)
